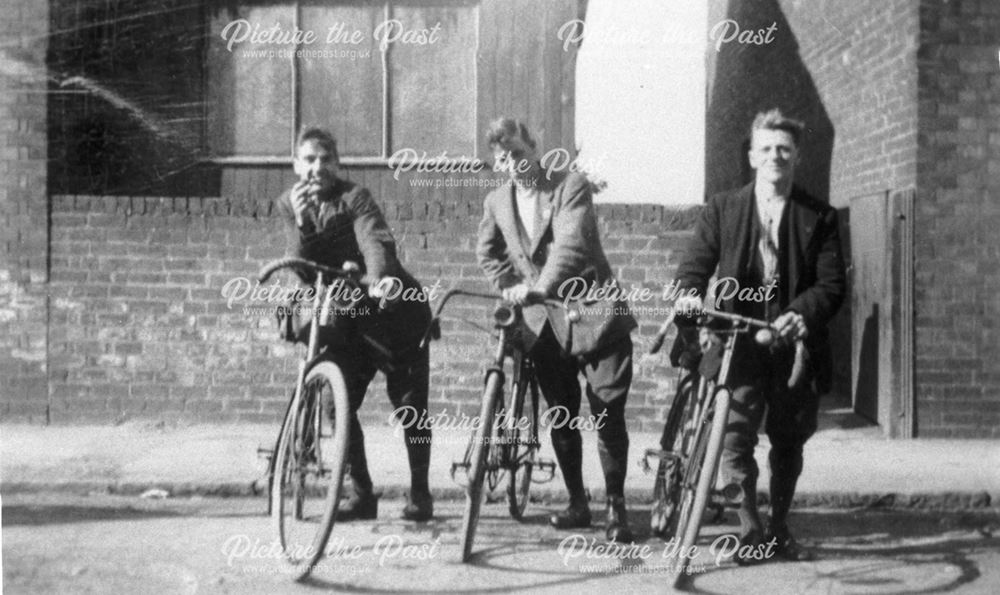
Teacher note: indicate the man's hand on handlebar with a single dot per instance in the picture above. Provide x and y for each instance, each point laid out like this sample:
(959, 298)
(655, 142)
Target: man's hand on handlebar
(379, 290)
(687, 305)
(791, 326)
(521, 295)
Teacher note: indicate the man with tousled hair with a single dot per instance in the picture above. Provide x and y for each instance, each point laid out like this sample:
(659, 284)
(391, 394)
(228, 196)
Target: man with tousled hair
(537, 232)
(771, 232)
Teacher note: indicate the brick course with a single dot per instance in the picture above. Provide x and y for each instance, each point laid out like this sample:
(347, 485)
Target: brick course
(23, 213)
(139, 327)
(957, 217)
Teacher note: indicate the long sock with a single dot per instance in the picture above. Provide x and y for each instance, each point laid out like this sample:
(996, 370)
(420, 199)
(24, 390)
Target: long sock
(568, 447)
(418, 451)
(786, 466)
(748, 513)
(358, 459)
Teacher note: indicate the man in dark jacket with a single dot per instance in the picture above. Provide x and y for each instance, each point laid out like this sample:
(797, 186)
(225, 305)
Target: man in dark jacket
(538, 233)
(332, 221)
(771, 233)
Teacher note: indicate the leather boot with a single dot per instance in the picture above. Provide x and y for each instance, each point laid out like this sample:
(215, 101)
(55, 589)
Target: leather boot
(575, 516)
(362, 505)
(785, 546)
(616, 528)
(419, 507)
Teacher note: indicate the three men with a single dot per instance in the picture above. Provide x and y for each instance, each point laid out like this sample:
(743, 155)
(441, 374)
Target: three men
(771, 232)
(332, 221)
(540, 231)
(537, 232)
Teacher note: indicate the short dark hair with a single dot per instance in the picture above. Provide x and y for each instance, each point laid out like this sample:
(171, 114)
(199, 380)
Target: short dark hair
(502, 130)
(320, 136)
(775, 119)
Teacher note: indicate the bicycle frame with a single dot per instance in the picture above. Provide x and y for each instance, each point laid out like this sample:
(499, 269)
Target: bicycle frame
(484, 457)
(298, 452)
(701, 441)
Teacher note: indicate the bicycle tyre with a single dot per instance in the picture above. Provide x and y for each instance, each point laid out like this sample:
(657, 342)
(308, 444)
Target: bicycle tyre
(497, 453)
(274, 452)
(670, 473)
(477, 469)
(709, 450)
(522, 445)
(313, 447)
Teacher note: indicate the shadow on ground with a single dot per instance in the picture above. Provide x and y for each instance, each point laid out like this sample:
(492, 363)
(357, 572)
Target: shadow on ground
(46, 514)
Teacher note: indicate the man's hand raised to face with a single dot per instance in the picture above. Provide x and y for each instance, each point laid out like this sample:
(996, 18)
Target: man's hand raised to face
(303, 199)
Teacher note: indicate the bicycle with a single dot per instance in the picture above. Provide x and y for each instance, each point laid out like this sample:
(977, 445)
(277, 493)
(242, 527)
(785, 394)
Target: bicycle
(687, 461)
(508, 447)
(307, 466)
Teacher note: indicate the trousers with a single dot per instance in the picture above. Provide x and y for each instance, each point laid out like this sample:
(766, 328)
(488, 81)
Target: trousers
(608, 374)
(759, 380)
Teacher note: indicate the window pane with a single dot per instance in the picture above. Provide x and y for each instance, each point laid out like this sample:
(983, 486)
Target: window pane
(341, 84)
(433, 86)
(250, 109)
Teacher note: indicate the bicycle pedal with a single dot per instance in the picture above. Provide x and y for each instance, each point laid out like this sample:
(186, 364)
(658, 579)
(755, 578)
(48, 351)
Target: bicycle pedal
(265, 453)
(658, 455)
(454, 469)
(545, 466)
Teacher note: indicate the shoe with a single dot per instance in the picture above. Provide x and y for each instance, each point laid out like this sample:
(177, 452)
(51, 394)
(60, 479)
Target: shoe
(786, 547)
(751, 550)
(576, 516)
(419, 507)
(616, 527)
(360, 506)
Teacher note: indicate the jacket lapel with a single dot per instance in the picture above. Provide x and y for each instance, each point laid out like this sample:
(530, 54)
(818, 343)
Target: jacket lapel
(506, 217)
(801, 225)
(745, 212)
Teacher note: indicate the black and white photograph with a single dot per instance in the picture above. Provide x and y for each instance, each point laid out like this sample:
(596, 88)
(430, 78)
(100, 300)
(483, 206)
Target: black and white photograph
(500, 296)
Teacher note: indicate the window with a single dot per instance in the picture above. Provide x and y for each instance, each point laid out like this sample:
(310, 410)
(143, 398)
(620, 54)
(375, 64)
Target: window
(382, 76)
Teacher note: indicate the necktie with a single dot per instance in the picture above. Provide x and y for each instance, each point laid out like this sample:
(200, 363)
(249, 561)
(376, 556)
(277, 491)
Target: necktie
(768, 251)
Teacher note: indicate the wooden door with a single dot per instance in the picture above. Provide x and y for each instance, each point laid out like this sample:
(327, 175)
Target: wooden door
(882, 310)
(869, 289)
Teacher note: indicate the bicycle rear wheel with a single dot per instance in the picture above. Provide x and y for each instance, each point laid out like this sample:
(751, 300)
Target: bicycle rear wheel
(522, 443)
(703, 469)
(478, 461)
(309, 468)
(670, 470)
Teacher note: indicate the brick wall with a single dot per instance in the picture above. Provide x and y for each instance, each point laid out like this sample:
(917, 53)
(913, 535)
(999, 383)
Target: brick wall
(957, 246)
(140, 327)
(23, 211)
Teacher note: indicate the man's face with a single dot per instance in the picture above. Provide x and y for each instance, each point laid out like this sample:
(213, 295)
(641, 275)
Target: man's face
(773, 155)
(516, 157)
(315, 163)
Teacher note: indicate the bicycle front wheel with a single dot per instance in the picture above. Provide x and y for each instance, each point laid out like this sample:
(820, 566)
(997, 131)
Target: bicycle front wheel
(309, 468)
(670, 469)
(522, 444)
(478, 462)
(708, 450)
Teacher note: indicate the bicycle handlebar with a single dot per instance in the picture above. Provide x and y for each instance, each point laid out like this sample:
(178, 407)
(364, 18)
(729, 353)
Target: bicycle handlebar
(707, 313)
(503, 317)
(350, 271)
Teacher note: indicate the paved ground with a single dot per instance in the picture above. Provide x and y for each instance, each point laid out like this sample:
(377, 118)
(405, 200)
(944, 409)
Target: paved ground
(846, 464)
(58, 543)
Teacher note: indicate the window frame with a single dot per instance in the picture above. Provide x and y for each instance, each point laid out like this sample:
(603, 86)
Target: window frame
(356, 161)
